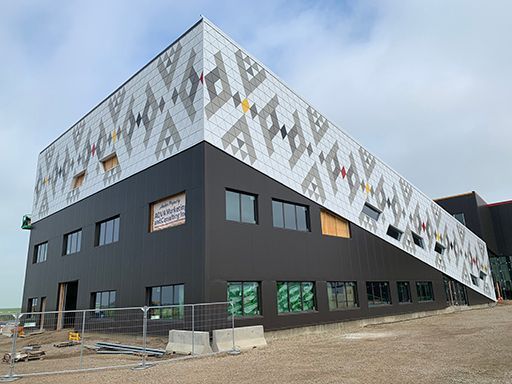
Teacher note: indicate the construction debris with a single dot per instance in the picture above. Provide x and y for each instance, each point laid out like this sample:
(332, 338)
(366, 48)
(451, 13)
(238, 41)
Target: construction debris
(24, 356)
(66, 344)
(127, 349)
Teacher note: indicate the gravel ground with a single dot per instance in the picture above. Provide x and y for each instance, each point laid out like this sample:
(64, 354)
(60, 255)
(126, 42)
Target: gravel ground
(463, 347)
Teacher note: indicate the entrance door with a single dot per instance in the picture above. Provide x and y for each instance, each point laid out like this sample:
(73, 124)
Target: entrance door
(42, 310)
(68, 293)
(455, 292)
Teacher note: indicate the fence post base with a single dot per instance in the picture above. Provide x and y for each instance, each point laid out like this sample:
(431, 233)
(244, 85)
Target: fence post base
(9, 378)
(234, 352)
(143, 366)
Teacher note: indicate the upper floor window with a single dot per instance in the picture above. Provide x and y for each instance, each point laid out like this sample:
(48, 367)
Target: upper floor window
(334, 225)
(241, 207)
(290, 216)
(110, 162)
(107, 231)
(72, 242)
(460, 217)
(102, 301)
(244, 298)
(78, 180)
(371, 211)
(378, 293)
(418, 240)
(40, 252)
(439, 248)
(295, 296)
(394, 232)
(425, 291)
(342, 294)
(169, 299)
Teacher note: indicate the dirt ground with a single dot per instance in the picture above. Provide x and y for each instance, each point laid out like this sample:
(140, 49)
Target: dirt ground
(463, 347)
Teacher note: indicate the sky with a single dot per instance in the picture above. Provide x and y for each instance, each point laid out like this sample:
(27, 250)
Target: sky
(424, 85)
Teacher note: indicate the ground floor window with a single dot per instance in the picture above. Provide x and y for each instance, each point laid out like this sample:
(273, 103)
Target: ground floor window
(295, 296)
(342, 294)
(32, 306)
(102, 301)
(404, 292)
(425, 291)
(378, 293)
(170, 298)
(245, 298)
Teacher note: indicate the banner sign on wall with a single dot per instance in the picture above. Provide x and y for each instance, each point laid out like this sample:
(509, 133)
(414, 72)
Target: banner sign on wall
(168, 212)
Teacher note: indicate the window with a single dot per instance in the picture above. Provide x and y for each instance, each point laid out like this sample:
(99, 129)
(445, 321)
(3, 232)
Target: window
(295, 297)
(241, 207)
(483, 275)
(378, 293)
(404, 292)
(425, 291)
(395, 233)
(40, 252)
(371, 211)
(460, 217)
(439, 248)
(107, 231)
(72, 242)
(474, 279)
(110, 162)
(78, 180)
(245, 297)
(290, 216)
(171, 297)
(102, 301)
(33, 304)
(333, 225)
(418, 240)
(342, 294)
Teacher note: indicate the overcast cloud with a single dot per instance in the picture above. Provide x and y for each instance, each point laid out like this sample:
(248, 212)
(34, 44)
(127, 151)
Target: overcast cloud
(424, 85)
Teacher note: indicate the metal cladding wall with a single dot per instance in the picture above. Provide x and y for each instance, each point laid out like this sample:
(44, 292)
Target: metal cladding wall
(139, 259)
(259, 252)
(252, 115)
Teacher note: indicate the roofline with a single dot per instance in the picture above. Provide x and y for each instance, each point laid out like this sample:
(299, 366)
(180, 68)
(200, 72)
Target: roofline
(455, 196)
(499, 203)
(122, 85)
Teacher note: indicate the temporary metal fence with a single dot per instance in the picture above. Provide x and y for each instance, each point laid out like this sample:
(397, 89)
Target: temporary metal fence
(40, 343)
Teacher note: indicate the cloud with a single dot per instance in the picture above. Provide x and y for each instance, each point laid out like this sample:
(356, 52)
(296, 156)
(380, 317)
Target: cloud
(423, 85)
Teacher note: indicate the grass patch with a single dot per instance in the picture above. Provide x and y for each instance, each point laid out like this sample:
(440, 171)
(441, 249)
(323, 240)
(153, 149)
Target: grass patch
(4, 311)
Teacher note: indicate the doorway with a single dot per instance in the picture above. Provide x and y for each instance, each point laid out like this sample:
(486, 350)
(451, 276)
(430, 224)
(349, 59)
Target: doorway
(68, 294)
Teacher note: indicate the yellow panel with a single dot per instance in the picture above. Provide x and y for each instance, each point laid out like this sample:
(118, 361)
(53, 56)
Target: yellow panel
(342, 228)
(245, 105)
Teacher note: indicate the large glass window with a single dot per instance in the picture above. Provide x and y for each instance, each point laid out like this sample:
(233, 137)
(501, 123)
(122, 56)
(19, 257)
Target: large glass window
(378, 293)
(170, 297)
(107, 231)
(290, 216)
(72, 242)
(425, 291)
(40, 252)
(241, 207)
(102, 301)
(404, 291)
(245, 298)
(342, 294)
(295, 296)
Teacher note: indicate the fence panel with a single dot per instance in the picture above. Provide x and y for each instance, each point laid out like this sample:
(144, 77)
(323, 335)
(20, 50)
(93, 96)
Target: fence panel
(51, 342)
(7, 328)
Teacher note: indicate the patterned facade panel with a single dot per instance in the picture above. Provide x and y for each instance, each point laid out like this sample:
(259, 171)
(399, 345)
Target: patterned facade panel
(154, 115)
(260, 121)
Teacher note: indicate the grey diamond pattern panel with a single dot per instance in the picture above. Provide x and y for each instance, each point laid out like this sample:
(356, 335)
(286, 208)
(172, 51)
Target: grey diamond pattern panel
(256, 118)
(153, 116)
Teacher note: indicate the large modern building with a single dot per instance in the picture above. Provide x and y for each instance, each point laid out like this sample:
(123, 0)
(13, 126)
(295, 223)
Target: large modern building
(205, 178)
(493, 224)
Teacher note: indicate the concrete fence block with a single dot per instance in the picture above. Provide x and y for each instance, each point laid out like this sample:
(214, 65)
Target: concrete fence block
(181, 342)
(245, 338)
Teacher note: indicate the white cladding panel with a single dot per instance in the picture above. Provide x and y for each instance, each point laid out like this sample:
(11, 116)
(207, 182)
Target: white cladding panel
(154, 115)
